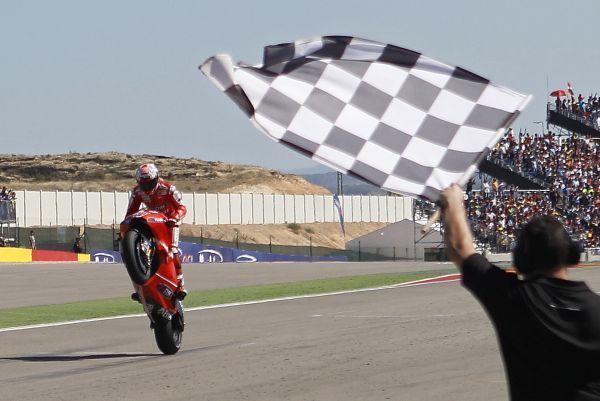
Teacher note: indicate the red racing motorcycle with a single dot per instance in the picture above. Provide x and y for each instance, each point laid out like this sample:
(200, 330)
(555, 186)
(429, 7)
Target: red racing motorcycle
(146, 252)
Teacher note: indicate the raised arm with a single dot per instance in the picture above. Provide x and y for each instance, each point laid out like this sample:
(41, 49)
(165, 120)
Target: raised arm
(134, 203)
(458, 236)
(175, 199)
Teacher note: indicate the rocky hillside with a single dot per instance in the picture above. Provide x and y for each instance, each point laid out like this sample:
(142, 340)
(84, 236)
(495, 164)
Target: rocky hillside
(114, 171)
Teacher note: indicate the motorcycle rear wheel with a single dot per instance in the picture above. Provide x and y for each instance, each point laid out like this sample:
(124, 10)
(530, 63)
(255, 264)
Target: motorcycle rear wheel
(168, 336)
(136, 261)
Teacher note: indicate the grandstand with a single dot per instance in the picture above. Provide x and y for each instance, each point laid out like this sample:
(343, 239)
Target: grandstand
(565, 160)
(576, 116)
(7, 216)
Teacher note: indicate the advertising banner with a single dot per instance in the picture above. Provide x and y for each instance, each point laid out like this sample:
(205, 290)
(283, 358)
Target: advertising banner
(200, 253)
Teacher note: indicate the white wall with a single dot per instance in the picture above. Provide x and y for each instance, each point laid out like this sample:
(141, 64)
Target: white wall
(51, 208)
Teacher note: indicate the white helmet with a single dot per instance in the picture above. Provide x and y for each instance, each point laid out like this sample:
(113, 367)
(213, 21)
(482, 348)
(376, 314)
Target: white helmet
(147, 177)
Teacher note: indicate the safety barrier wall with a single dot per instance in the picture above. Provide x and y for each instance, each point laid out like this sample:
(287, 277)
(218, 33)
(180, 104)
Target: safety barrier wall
(40, 255)
(53, 256)
(202, 253)
(15, 255)
(52, 208)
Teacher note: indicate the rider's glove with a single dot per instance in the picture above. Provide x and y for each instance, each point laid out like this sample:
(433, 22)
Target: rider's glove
(172, 222)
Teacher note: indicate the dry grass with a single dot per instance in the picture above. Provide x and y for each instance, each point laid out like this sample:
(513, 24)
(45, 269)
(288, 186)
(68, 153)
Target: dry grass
(319, 234)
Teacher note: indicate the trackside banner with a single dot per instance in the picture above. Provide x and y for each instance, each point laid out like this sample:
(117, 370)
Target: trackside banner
(200, 253)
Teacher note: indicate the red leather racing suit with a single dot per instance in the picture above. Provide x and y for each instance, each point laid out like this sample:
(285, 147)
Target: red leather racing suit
(165, 198)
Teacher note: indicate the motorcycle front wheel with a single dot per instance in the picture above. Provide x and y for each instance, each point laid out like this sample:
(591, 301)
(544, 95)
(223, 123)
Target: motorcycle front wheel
(168, 336)
(139, 256)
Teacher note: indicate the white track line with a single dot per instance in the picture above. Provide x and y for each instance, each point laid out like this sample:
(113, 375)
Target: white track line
(425, 281)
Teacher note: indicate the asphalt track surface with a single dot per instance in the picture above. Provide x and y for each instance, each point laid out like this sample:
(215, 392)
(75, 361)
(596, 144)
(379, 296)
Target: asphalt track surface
(428, 342)
(27, 284)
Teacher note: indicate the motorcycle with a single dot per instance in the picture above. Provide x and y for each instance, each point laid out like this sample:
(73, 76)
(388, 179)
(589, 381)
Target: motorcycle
(147, 254)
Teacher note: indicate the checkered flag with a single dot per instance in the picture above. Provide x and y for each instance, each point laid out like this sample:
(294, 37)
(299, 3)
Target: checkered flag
(390, 116)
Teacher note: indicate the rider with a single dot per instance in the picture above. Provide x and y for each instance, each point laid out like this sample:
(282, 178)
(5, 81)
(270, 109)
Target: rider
(159, 195)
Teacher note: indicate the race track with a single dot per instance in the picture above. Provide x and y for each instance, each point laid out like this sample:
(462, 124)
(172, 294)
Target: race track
(430, 342)
(25, 284)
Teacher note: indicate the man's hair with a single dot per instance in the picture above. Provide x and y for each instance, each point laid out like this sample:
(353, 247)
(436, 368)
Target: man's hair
(543, 245)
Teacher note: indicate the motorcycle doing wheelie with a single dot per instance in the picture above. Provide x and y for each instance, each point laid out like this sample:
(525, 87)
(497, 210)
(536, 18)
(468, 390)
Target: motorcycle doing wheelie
(147, 254)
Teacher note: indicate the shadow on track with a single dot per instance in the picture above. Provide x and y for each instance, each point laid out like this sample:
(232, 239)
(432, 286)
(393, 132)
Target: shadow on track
(67, 358)
(90, 357)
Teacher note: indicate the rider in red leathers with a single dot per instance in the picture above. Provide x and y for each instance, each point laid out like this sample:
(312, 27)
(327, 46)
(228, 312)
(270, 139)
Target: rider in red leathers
(158, 194)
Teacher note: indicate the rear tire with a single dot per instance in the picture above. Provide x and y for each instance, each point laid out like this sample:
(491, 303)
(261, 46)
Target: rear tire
(138, 266)
(168, 336)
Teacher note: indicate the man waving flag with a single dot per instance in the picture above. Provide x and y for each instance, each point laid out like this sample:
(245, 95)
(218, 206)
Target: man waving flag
(391, 116)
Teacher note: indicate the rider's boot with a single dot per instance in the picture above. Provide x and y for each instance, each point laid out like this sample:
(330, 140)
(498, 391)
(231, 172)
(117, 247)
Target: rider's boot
(136, 297)
(181, 292)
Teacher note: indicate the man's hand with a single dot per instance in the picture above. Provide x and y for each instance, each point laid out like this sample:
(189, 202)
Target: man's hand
(452, 197)
(172, 222)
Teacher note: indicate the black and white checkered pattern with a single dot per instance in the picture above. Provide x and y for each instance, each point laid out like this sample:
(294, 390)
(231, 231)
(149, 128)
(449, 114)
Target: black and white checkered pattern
(391, 116)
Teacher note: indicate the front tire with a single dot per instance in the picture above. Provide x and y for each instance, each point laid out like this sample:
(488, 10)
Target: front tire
(139, 256)
(168, 336)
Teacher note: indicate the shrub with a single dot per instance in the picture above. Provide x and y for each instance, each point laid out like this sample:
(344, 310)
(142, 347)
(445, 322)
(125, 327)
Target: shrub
(294, 227)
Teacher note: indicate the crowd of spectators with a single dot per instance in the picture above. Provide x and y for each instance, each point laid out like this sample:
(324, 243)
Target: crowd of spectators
(7, 210)
(587, 109)
(569, 166)
(7, 194)
(7, 205)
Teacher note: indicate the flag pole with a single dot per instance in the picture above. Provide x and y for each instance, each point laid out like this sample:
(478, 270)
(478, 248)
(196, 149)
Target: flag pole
(432, 220)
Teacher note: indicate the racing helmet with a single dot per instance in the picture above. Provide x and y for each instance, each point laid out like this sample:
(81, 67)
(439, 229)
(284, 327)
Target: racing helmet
(147, 177)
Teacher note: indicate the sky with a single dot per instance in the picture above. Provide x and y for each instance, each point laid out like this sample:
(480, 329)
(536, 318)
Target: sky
(94, 76)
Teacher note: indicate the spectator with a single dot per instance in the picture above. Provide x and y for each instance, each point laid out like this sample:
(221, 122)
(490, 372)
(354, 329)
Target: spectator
(470, 184)
(7, 194)
(31, 240)
(117, 243)
(569, 166)
(585, 110)
(548, 326)
(7, 205)
(77, 245)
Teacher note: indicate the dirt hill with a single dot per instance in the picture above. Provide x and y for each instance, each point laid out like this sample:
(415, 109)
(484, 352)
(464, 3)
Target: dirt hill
(114, 171)
(318, 234)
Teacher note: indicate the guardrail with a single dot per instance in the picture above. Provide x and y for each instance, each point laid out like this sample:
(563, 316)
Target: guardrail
(589, 121)
(574, 122)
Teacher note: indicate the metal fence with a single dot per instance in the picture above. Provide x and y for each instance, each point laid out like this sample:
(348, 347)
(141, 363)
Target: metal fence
(590, 118)
(63, 238)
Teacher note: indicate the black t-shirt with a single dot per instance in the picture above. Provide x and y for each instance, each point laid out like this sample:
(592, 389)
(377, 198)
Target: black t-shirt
(548, 330)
